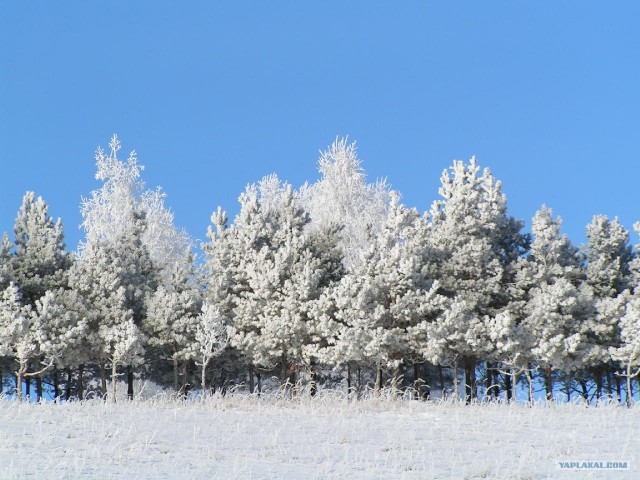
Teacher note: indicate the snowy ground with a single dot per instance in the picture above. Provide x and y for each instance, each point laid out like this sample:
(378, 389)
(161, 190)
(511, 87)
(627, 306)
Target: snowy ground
(249, 438)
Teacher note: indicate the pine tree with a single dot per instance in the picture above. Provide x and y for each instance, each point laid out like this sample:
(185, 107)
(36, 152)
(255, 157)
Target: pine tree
(383, 307)
(40, 261)
(608, 273)
(476, 241)
(558, 302)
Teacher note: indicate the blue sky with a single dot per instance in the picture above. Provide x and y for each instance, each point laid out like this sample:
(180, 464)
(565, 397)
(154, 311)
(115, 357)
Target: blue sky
(214, 95)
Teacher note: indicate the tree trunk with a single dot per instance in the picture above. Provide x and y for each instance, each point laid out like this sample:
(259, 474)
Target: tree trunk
(358, 382)
(416, 380)
(394, 382)
(129, 382)
(443, 393)
(27, 382)
(259, 377)
(19, 384)
(203, 380)
(618, 389)
(629, 401)
(56, 386)
(548, 384)
(175, 372)
(456, 391)
(470, 379)
(251, 384)
(348, 380)
(114, 381)
(185, 380)
(292, 377)
(103, 379)
(313, 390)
(585, 391)
(67, 392)
(507, 385)
(38, 387)
(597, 376)
(81, 382)
(378, 385)
(609, 381)
(530, 382)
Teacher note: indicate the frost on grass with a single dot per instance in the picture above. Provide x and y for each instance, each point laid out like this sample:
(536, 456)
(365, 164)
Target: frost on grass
(246, 437)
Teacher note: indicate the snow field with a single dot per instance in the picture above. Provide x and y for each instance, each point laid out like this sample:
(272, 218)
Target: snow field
(329, 437)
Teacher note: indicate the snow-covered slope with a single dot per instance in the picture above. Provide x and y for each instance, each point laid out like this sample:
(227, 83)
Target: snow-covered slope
(245, 437)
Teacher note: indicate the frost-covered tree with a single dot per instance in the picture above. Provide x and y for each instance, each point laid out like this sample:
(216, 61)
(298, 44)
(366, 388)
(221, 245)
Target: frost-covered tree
(383, 307)
(6, 273)
(343, 197)
(558, 302)
(170, 322)
(210, 339)
(476, 241)
(40, 260)
(608, 273)
(117, 278)
(111, 210)
(266, 273)
(628, 352)
(16, 333)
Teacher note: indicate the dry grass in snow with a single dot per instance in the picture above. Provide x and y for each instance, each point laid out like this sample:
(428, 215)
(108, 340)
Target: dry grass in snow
(330, 437)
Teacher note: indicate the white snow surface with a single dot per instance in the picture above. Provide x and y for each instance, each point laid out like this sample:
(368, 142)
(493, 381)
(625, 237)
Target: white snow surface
(245, 437)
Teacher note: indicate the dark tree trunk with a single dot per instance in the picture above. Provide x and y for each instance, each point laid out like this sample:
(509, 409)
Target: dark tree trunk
(378, 385)
(585, 390)
(251, 385)
(129, 382)
(176, 387)
(417, 381)
(441, 378)
(67, 391)
(103, 380)
(359, 382)
(348, 380)
(81, 382)
(259, 378)
(548, 383)
(27, 390)
(470, 379)
(609, 380)
(38, 387)
(618, 388)
(597, 376)
(507, 385)
(313, 390)
(292, 376)
(56, 386)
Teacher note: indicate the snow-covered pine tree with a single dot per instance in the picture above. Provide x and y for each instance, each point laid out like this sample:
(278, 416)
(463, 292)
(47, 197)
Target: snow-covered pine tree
(608, 273)
(16, 333)
(117, 277)
(383, 306)
(6, 273)
(476, 240)
(558, 302)
(40, 261)
(170, 322)
(343, 197)
(266, 274)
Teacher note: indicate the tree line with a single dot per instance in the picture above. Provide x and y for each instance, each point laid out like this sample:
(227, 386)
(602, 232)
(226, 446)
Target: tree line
(335, 284)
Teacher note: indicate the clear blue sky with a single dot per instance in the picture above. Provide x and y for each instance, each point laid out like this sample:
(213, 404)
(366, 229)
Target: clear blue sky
(214, 95)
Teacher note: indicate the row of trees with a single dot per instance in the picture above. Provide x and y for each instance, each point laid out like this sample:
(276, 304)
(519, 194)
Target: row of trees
(337, 277)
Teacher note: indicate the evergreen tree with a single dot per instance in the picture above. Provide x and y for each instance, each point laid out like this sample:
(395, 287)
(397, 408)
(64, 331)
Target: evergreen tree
(476, 241)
